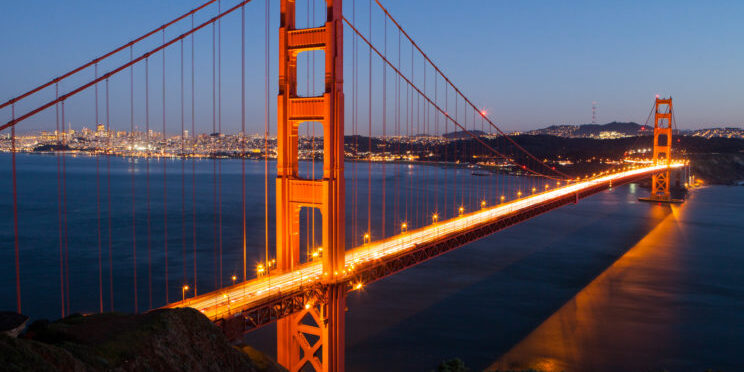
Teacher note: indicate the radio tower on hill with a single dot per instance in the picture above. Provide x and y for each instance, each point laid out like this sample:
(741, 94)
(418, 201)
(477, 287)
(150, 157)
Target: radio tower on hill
(594, 112)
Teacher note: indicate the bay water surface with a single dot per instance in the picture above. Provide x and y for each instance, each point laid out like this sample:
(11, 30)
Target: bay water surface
(609, 284)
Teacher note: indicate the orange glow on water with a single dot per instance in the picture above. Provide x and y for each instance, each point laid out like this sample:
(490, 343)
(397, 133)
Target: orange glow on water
(566, 340)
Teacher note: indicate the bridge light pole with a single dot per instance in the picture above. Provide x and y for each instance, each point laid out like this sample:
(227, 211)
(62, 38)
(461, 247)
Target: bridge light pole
(461, 210)
(503, 198)
(434, 218)
(234, 278)
(404, 227)
(366, 238)
(183, 292)
(483, 203)
(519, 194)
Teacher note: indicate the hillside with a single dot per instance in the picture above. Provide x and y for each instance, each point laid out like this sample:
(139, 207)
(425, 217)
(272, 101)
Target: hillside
(593, 130)
(160, 340)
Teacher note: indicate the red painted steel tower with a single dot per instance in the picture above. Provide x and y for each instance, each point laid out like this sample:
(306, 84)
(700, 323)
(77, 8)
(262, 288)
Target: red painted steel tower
(314, 336)
(662, 149)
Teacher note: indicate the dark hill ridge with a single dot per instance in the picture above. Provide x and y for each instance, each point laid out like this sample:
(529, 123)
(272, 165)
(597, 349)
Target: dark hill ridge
(160, 340)
(463, 135)
(593, 130)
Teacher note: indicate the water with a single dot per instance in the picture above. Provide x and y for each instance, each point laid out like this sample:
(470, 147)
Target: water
(610, 284)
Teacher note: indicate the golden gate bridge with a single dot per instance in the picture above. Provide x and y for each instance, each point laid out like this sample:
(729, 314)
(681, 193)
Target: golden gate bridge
(401, 106)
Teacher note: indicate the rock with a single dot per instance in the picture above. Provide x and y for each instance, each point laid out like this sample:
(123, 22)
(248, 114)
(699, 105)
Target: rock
(160, 340)
(718, 168)
(12, 323)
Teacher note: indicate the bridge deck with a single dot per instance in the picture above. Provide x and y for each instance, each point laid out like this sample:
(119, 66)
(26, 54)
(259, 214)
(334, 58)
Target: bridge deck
(256, 302)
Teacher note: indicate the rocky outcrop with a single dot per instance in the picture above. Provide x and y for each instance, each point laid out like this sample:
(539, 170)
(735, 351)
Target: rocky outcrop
(160, 340)
(718, 168)
(12, 323)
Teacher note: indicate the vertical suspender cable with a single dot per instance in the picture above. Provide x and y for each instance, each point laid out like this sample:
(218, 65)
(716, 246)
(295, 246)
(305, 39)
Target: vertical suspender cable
(384, 125)
(420, 172)
(484, 185)
(59, 207)
(476, 184)
(64, 215)
(242, 133)
(165, 182)
(425, 152)
(312, 139)
(219, 128)
(407, 195)
(193, 163)
(457, 158)
(369, 133)
(15, 212)
(134, 211)
(267, 60)
(436, 132)
(467, 178)
(214, 142)
(354, 116)
(147, 180)
(183, 180)
(396, 201)
(108, 197)
(409, 133)
(309, 92)
(446, 142)
(98, 206)
(413, 195)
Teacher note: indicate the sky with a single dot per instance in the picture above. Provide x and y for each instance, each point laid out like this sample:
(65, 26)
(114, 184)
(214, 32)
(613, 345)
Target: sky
(529, 63)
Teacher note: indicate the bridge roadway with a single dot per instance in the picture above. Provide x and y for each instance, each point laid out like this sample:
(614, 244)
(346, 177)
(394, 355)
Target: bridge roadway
(260, 301)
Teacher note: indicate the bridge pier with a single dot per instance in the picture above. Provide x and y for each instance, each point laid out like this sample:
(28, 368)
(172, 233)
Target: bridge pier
(315, 335)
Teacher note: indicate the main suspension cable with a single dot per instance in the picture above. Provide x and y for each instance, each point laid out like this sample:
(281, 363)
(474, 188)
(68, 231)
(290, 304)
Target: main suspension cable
(423, 54)
(431, 102)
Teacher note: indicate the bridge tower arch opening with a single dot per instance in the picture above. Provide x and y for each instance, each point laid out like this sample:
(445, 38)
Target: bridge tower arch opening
(313, 337)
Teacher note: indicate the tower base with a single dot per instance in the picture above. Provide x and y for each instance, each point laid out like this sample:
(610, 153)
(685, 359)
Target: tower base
(661, 200)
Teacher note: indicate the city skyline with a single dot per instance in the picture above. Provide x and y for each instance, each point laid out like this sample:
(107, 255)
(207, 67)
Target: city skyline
(697, 68)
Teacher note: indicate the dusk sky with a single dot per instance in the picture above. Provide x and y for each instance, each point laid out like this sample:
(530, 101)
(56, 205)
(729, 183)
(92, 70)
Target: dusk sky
(531, 64)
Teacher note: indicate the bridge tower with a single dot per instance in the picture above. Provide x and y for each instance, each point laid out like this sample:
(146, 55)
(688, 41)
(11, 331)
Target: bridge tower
(662, 149)
(314, 336)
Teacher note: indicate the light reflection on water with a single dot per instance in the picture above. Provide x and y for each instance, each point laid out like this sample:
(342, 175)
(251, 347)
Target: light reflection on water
(673, 301)
(610, 284)
(628, 302)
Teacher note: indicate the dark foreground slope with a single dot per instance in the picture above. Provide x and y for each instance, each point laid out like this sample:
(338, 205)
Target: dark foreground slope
(161, 340)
